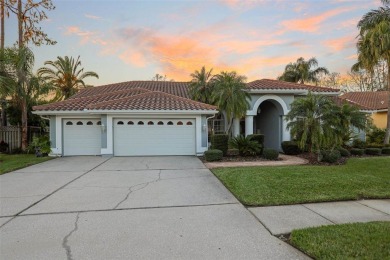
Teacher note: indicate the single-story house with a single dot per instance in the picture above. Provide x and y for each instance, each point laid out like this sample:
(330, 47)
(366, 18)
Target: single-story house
(374, 103)
(159, 118)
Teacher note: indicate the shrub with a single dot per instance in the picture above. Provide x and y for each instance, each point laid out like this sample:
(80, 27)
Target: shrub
(270, 154)
(344, 152)
(41, 146)
(213, 155)
(290, 148)
(386, 150)
(233, 152)
(220, 142)
(357, 151)
(3, 147)
(330, 156)
(357, 143)
(373, 151)
(376, 135)
(245, 145)
(374, 145)
(260, 139)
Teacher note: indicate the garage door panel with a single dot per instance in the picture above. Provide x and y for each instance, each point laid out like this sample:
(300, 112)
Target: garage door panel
(82, 137)
(132, 140)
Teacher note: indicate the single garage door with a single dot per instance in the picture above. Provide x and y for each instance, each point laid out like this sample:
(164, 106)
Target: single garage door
(134, 137)
(82, 136)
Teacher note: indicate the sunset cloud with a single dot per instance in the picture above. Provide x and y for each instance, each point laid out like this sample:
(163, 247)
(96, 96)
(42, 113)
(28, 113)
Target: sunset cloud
(341, 43)
(311, 23)
(93, 17)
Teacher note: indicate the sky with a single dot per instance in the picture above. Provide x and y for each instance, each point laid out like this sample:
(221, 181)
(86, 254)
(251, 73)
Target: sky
(134, 40)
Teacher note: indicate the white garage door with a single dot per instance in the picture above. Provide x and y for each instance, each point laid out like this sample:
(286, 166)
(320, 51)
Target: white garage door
(134, 137)
(82, 136)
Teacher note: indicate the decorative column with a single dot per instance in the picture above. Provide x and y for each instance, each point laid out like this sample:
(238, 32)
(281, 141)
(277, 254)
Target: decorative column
(236, 127)
(248, 125)
(285, 132)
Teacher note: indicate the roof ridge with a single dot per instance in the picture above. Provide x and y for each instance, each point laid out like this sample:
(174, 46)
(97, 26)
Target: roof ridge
(152, 92)
(297, 84)
(107, 93)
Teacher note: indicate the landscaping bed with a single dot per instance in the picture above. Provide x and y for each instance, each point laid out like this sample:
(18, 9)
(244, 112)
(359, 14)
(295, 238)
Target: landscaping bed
(240, 159)
(347, 241)
(359, 178)
(12, 162)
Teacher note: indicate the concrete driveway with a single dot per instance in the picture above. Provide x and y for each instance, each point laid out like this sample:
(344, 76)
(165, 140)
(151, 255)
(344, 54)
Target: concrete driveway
(127, 207)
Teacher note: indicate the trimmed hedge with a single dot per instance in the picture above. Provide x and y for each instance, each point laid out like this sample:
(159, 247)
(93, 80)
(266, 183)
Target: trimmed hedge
(330, 156)
(357, 143)
(220, 142)
(386, 150)
(290, 148)
(373, 151)
(213, 155)
(357, 151)
(233, 152)
(344, 152)
(374, 145)
(270, 154)
(259, 138)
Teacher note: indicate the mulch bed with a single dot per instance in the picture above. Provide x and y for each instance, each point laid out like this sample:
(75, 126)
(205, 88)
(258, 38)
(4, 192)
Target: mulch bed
(240, 159)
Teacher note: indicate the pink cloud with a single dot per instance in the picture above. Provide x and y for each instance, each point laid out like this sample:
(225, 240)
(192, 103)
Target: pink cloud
(339, 44)
(312, 23)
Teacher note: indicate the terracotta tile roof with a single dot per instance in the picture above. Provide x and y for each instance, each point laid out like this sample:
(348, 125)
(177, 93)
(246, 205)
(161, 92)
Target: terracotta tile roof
(175, 88)
(155, 100)
(78, 104)
(368, 100)
(271, 84)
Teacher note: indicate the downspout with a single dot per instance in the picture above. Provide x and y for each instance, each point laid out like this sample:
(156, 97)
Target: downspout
(207, 125)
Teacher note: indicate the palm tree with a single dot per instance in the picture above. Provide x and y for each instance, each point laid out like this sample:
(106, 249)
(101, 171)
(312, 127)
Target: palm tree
(374, 45)
(201, 86)
(66, 76)
(311, 120)
(301, 71)
(230, 96)
(18, 82)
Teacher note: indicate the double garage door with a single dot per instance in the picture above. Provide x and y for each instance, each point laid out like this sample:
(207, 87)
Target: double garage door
(132, 137)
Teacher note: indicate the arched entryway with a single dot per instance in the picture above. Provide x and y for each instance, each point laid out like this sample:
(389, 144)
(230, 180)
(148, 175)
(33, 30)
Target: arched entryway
(269, 121)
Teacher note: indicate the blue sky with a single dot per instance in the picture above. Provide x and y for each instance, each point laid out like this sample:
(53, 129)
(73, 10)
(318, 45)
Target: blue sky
(134, 40)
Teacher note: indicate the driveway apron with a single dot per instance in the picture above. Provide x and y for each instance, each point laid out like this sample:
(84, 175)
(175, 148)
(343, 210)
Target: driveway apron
(168, 207)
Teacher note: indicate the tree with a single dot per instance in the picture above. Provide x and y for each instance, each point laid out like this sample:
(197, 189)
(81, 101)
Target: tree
(310, 120)
(18, 82)
(201, 85)
(66, 76)
(374, 45)
(230, 96)
(301, 71)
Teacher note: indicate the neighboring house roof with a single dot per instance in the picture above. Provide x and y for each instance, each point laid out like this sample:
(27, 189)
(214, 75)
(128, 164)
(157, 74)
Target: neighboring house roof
(130, 99)
(368, 100)
(271, 84)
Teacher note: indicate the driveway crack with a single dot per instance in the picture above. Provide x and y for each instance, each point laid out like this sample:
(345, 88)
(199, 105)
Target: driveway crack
(144, 185)
(65, 245)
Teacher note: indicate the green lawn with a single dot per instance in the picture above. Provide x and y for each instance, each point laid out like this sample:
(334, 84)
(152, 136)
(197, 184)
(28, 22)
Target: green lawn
(260, 186)
(13, 162)
(347, 241)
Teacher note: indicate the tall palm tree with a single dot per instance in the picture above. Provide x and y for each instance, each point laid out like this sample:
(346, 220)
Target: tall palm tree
(311, 121)
(201, 86)
(230, 96)
(66, 76)
(301, 71)
(19, 83)
(374, 45)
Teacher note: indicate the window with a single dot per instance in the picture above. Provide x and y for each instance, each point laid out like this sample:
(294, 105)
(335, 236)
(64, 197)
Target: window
(141, 123)
(150, 123)
(180, 123)
(189, 123)
(89, 123)
(99, 123)
(160, 123)
(170, 123)
(79, 123)
(130, 123)
(120, 123)
(69, 123)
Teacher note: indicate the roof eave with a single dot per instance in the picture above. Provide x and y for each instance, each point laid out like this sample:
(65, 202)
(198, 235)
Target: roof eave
(110, 112)
(277, 91)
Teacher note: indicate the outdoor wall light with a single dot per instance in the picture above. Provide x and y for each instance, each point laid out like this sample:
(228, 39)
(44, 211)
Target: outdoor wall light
(103, 128)
(204, 127)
